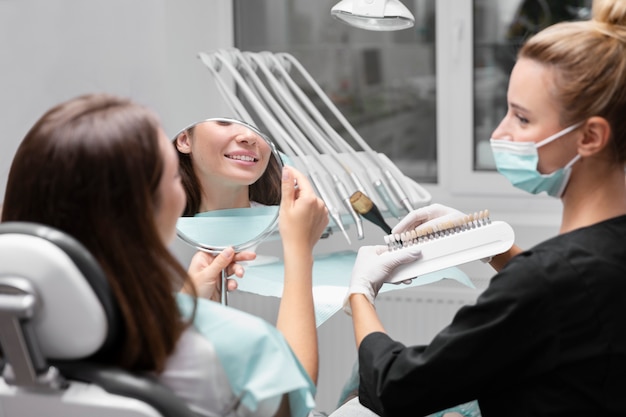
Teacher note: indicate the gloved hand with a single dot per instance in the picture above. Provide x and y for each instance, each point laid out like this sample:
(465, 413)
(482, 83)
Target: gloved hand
(372, 267)
(427, 216)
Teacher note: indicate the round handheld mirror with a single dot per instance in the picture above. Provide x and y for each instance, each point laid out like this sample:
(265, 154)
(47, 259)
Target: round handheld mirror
(231, 173)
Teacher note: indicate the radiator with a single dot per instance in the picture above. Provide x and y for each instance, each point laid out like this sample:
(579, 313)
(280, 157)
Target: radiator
(411, 316)
(415, 316)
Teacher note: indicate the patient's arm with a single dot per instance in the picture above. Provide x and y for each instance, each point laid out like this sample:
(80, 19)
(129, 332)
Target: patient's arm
(302, 219)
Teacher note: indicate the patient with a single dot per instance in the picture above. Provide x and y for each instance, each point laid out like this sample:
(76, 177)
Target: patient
(213, 173)
(101, 169)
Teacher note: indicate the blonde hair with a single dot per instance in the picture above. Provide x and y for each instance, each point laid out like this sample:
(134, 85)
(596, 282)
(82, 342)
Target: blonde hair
(589, 63)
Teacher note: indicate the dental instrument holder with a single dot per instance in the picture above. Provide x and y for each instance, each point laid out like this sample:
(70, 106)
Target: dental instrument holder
(332, 211)
(388, 207)
(288, 61)
(284, 132)
(345, 198)
(393, 192)
(282, 67)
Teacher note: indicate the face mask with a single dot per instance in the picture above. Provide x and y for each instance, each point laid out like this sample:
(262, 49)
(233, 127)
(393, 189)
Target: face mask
(517, 161)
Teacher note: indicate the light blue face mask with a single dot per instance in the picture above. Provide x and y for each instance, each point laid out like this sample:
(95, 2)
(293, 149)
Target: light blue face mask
(517, 161)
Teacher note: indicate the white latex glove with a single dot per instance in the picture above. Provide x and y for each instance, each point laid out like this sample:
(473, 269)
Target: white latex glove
(427, 216)
(372, 267)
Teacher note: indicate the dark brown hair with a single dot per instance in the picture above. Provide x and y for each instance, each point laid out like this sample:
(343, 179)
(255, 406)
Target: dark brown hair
(266, 190)
(91, 167)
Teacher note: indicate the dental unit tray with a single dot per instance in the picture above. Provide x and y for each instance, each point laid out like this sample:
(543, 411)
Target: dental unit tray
(337, 169)
(417, 194)
(473, 238)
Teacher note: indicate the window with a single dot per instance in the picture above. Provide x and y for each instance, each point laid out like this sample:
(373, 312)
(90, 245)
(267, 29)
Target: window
(383, 82)
(500, 28)
(428, 97)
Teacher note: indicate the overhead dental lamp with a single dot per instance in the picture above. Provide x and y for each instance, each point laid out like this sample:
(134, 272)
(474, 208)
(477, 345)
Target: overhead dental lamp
(379, 15)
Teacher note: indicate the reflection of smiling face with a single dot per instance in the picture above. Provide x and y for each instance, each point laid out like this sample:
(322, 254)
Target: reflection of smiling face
(228, 152)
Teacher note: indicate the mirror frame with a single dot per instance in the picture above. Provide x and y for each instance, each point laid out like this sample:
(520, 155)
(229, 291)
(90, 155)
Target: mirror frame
(270, 229)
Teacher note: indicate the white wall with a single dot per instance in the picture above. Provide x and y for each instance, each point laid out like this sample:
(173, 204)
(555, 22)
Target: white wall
(52, 50)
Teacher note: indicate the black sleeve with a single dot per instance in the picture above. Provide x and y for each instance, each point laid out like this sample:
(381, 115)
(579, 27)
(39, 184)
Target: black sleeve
(507, 334)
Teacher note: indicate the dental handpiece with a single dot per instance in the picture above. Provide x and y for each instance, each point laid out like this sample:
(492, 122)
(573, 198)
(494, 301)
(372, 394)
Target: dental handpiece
(332, 211)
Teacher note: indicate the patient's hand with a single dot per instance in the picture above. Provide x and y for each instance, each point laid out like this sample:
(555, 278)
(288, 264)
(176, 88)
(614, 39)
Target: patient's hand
(205, 271)
(303, 215)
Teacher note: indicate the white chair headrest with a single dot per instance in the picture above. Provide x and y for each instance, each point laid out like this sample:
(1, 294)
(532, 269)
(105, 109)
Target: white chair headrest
(72, 315)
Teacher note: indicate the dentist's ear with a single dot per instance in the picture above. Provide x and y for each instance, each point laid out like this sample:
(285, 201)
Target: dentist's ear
(596, 136)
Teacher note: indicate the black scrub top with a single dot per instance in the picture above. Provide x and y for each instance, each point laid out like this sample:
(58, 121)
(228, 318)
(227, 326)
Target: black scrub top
(546, 338)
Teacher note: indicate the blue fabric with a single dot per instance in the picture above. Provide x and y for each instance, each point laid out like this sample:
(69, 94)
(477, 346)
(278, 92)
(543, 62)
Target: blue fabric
(518, 162)
(256, 357)
(351, 388)
(469, 409)
(331, 279)
(229, 227)
(519, 166)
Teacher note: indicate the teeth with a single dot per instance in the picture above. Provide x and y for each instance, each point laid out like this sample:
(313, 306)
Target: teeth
(443, 229)
(242, 158)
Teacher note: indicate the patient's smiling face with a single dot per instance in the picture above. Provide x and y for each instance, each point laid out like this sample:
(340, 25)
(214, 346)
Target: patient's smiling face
(226, 153)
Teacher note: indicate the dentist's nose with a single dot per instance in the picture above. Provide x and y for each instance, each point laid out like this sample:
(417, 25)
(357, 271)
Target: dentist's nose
(500, 131)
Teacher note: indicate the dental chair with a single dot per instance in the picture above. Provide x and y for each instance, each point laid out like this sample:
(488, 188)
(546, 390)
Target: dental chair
(58, 318)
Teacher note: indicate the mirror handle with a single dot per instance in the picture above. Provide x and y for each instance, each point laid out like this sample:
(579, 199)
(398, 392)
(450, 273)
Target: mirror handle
(224, 289)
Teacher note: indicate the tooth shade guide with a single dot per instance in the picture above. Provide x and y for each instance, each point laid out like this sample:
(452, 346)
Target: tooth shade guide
(443, 229)
(450, 244)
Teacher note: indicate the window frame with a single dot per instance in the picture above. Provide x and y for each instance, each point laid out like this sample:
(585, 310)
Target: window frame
(459, 184)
